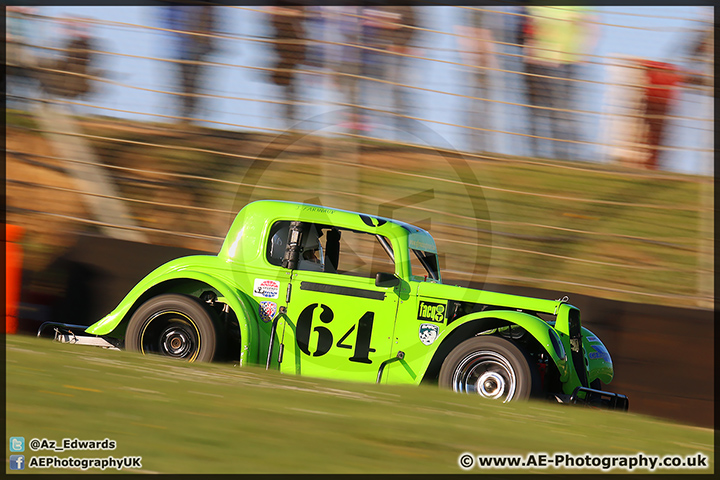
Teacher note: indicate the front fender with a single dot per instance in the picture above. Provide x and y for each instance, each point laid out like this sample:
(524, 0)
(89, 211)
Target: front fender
(237, 300)
(472, 324)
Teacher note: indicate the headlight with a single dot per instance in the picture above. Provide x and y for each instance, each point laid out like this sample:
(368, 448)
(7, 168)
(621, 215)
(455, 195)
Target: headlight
(557, 344)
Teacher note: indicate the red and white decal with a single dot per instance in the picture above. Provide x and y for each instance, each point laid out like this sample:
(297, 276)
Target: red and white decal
(266, 288)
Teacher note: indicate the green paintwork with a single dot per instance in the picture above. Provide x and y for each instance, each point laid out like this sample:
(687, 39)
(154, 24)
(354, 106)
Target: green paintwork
(346, 333)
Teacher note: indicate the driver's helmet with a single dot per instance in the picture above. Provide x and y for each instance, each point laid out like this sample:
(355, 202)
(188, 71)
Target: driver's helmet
(311, 254)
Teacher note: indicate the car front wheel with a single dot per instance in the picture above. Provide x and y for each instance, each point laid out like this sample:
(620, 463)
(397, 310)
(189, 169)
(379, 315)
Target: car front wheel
(491, 367)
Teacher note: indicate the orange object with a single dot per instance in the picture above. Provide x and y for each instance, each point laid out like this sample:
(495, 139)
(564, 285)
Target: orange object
(662, 79)
(13, 274)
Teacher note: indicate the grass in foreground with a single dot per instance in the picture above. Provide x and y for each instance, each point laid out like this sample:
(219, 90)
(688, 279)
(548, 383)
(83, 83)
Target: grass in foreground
(216, 418)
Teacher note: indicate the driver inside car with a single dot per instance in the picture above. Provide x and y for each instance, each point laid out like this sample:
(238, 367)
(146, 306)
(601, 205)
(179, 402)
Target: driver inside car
(311, 256)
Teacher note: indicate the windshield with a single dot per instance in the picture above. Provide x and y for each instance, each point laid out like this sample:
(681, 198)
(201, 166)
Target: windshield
(429, 263)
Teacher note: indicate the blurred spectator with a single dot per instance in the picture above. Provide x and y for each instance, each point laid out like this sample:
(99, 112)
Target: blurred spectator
(387, 28)
(587, 30)
(509, 26)
(660, 93)
(347, 61)
(315, 31)
(477, 50)
(556, 39)
(385, 33)
(70, 75)
(288, 32)
(20, 59)
(190, 48)
(701, 58)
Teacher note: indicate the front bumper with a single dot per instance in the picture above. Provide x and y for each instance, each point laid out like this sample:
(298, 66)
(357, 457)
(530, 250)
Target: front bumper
(599, 399)
(594, 398)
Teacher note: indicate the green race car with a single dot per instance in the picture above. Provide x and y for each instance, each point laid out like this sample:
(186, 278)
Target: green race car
(330, 293)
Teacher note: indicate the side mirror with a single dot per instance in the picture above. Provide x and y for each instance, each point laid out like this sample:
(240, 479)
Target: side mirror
(383, 279)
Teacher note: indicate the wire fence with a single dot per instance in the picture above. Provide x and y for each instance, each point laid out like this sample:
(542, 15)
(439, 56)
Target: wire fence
(593, 167)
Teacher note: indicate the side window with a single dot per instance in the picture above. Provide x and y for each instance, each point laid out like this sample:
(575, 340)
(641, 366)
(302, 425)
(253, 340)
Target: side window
(276, 242)
(332, 250)
(362, 255)
(312, 251)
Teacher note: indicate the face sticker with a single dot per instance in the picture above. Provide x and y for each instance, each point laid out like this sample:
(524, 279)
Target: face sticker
(266, 288)
(428, 333)
(267, 311)
(432, 312)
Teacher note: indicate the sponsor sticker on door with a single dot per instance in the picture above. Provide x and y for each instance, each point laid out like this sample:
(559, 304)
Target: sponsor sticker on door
(266, 288)
(428, 333)
(432, 312)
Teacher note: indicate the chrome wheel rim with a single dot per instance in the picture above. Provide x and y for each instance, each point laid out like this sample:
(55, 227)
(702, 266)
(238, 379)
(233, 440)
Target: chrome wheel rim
(487, 374)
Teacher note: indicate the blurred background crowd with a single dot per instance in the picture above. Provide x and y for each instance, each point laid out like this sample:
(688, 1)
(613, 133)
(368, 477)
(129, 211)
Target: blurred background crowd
(591, 129)
(540, 81)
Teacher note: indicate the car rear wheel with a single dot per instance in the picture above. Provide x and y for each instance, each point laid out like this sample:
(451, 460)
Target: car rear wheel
(491, 367)
(174, 325)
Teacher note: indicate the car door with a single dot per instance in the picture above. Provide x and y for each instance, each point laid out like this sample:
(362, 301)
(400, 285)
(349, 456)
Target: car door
(339, 324)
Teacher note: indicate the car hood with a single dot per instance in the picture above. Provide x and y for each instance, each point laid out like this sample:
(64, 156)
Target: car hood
(440, 292)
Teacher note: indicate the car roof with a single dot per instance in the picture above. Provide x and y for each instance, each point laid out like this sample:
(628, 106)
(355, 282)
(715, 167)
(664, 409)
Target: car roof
(418, 238)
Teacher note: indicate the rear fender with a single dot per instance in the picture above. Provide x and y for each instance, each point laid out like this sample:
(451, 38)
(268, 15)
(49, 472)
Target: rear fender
(147, 288)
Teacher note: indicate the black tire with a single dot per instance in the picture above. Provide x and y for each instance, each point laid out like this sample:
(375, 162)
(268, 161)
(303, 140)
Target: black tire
(491, 367)
(174, 325)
